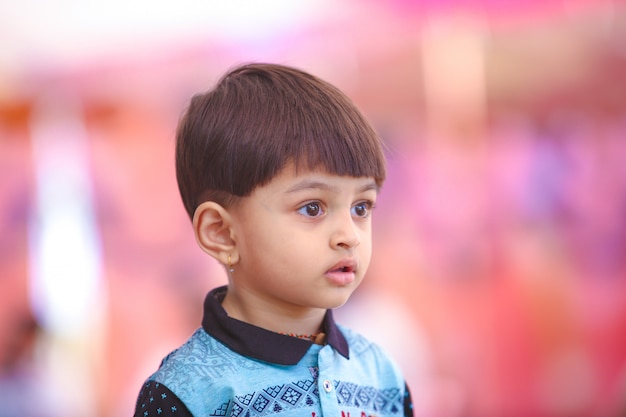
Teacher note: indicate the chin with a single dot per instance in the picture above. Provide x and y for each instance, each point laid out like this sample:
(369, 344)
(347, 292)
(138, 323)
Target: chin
(338, 301)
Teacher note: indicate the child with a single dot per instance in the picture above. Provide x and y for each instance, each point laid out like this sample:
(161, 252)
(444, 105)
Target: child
(279, 173)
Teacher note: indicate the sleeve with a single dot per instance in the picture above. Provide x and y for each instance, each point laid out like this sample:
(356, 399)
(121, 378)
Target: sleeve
(408, 402)
(156, 400)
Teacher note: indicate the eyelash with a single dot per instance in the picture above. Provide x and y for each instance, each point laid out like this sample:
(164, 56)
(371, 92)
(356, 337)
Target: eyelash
(320, 210)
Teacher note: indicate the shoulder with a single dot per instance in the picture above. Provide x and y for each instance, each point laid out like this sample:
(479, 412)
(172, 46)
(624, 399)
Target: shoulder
(371, 354)
(202, 363)
(187, 361)
(371, 363)
(192, 351)
(360, 344)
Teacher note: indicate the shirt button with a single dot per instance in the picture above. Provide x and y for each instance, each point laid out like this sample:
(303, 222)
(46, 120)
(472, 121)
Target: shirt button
(328, 386)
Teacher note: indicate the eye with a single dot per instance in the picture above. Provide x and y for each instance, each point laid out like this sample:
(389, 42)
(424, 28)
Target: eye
(313, 209)
(363, 209)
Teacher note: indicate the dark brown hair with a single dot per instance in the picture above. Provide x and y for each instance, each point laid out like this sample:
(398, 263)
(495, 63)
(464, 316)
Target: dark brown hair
(242, 133)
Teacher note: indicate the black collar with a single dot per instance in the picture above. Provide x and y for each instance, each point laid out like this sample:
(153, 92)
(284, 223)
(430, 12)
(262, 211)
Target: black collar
(261, 344)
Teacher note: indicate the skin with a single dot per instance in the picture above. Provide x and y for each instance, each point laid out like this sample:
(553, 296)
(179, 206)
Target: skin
(299, 245)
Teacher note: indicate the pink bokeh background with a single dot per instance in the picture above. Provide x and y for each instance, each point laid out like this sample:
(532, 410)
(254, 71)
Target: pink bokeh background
(498, 280)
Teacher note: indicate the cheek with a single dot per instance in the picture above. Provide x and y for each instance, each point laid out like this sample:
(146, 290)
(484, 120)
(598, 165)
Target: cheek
(268, 242)
(365, 249)
(366, 254)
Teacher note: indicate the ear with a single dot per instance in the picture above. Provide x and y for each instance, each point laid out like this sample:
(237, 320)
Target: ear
(212, 226)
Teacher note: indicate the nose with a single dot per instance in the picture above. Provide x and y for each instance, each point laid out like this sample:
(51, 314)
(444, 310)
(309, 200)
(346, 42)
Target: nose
(345, 233)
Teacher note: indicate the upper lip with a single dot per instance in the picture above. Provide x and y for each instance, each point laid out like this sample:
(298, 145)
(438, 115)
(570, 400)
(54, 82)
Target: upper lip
(344, 265)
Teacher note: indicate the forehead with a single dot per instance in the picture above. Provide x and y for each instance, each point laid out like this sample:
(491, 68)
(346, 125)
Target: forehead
(292, 180)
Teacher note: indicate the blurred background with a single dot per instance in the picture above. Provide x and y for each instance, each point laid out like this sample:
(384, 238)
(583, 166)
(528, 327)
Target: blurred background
(498, 280)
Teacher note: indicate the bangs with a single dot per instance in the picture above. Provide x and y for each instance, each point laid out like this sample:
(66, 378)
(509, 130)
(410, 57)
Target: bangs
(340, 142)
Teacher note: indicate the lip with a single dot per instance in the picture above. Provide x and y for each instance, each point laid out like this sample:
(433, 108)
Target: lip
(342, 273)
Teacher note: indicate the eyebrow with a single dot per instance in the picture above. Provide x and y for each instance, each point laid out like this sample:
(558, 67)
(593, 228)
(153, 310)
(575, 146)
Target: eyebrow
(320, 185)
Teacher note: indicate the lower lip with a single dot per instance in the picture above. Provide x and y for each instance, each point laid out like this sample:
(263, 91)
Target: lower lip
(340, 278)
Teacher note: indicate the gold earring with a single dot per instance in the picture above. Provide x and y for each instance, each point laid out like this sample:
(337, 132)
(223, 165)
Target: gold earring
(230, 265)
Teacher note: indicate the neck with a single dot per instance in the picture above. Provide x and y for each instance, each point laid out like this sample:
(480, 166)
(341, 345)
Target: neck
(269, 316)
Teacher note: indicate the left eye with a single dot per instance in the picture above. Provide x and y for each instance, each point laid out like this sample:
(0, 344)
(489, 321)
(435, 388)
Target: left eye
(362, 209)
(311, 209)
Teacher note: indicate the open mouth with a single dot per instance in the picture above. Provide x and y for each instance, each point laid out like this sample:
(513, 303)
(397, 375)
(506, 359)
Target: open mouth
(343, 273)
(344, 267)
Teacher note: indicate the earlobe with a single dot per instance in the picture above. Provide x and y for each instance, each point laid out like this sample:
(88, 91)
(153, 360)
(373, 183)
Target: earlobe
(212, 227)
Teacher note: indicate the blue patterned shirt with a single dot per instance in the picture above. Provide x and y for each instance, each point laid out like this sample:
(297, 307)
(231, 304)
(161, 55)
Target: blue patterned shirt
(231, 368)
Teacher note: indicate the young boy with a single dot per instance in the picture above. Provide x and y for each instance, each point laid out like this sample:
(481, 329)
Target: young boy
(279, 173)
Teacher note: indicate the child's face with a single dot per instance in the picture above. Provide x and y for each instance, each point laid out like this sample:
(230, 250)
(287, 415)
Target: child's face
(304, 240)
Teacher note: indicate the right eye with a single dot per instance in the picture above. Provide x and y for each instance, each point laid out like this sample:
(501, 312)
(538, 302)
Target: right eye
(312, 209)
